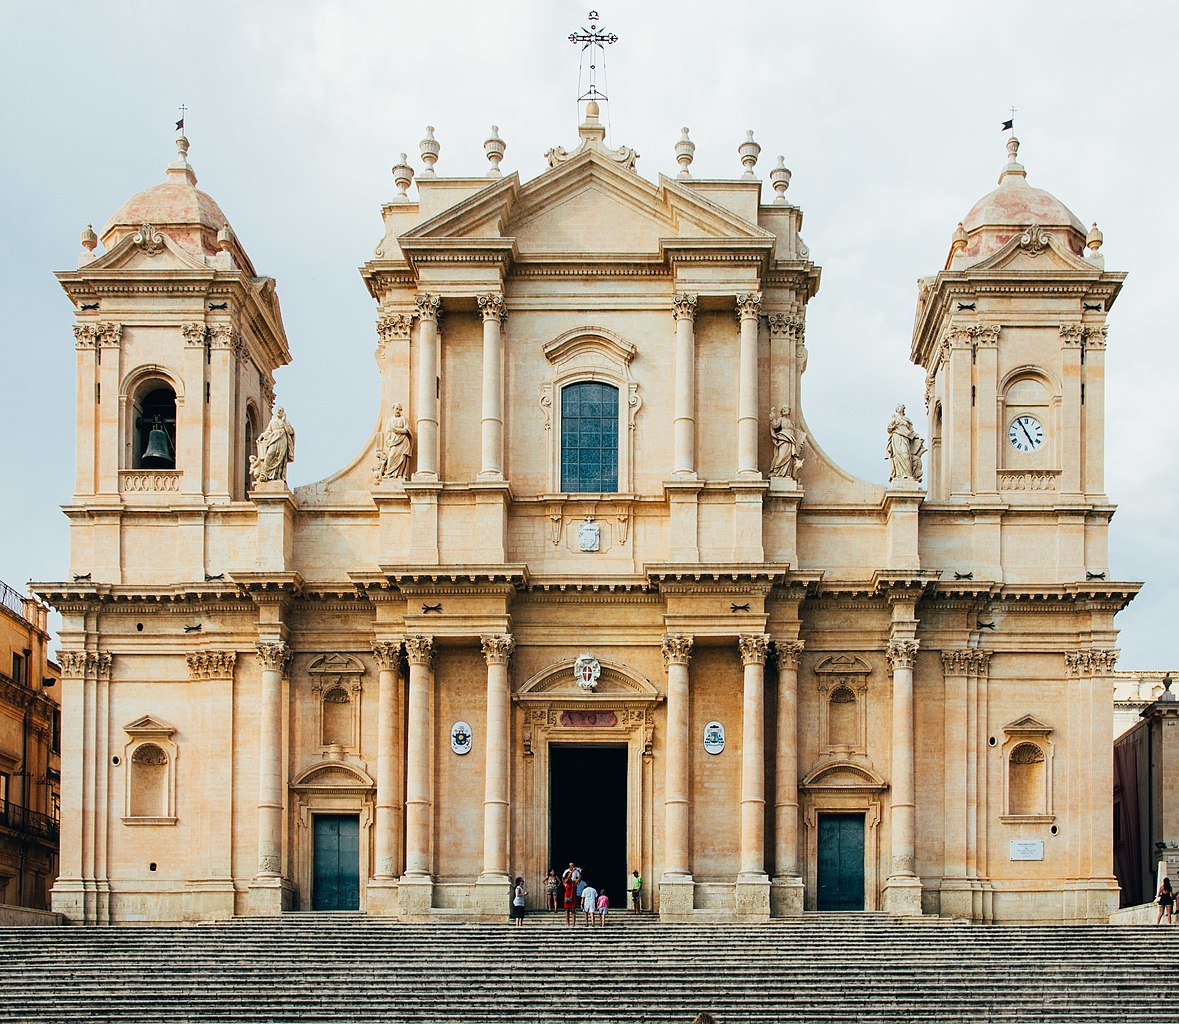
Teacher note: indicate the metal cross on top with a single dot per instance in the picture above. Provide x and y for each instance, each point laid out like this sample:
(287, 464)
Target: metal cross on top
(594, 41)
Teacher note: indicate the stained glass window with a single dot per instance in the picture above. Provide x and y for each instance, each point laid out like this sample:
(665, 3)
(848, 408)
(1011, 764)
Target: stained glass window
(589, 438)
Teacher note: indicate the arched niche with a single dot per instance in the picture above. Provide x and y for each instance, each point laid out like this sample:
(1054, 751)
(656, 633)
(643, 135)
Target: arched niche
(337, 682)
(1028, 755)
(149, 768)
(842, 684)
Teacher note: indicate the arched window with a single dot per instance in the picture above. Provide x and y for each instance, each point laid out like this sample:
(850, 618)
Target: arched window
(1026, 789)
(149, 781)
(154, 426)
(589, 438)
(842, 724)
(248, 442)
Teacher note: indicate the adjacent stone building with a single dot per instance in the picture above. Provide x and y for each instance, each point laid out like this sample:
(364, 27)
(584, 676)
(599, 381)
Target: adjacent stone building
(30, 745)
(592, 590)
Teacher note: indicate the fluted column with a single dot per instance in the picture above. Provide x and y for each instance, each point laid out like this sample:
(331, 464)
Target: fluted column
(419, 803)
(684, 430)
(387, 827)
(492, 424)
(428, 311)
(274, 655)
(786, 859)
(902, 887)
(748, 315)
(497, 650)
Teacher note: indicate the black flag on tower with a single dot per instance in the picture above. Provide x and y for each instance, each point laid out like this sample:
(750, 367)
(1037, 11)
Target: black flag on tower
(1007, 125)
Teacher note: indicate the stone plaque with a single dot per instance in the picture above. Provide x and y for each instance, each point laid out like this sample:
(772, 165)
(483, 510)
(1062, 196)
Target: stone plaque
(460, 738)
(714, 738)
(1027, 849)
(589, 536)
(588, 719)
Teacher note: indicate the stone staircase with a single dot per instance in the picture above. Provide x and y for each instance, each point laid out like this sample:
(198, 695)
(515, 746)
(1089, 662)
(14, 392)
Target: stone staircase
(819, 969)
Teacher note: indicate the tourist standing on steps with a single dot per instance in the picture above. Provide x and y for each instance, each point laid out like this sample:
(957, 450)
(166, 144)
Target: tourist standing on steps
(578, 881)
(1166, 900)
(603, 906)
(589, 902)
(552, 887)
(518, 901)
(570, 901)
(636, 892)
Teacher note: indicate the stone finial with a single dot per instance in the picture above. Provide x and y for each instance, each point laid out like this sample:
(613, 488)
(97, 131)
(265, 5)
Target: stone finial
(1013, 166)
(402, 177)
(90, 239)
(959, 241)
(780, 179)
(748, 151)
(429, 147)
(1094, 239)
(494, 147)
(592, 129)
(225, 238)
(180, 167)
(685, 149)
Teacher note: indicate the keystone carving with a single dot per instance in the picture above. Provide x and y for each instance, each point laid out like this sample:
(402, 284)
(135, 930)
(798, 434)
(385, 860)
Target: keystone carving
(149, 240)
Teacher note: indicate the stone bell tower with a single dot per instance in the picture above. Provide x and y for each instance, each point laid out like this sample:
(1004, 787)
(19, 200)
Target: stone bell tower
(1011, 334)
(177, 343)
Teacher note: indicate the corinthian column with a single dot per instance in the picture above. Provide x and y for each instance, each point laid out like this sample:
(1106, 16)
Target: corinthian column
(388, 818)
(684, 456)
(493, 893)
(429, 309)
(749, 316)
(676, 887)
(492, 425)
(753, 885)
(902, 889)
(788, 892)
(417, 886)
(274, 656)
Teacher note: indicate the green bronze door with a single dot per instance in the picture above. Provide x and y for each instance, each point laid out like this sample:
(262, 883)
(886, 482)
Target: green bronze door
(336, 862)
(841, 862)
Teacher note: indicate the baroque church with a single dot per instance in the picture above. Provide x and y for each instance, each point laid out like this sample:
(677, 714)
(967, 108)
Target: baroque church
(592, 556)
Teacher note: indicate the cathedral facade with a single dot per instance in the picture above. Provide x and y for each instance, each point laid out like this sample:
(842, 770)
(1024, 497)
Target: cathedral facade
(593, 592)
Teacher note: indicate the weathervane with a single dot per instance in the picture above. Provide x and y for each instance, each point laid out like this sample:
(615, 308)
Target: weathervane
(593, 42)
(180, 123)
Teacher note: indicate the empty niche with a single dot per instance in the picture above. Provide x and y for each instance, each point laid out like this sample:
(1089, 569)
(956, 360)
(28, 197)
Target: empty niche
(150, 759)
(1027, 756)
(336, 681)
(843, 704)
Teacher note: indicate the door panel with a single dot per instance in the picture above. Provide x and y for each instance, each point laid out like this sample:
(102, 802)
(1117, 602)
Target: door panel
(841, 862)
(336, 862)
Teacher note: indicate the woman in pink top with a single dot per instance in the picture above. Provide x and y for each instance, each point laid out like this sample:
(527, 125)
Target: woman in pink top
(603, 906)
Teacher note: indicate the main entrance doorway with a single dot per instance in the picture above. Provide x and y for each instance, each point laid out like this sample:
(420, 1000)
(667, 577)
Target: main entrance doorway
(587, 814)
(841, 862)
(336, 862)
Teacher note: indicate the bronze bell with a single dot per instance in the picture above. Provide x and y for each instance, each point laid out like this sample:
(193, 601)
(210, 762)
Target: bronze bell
(158, 454)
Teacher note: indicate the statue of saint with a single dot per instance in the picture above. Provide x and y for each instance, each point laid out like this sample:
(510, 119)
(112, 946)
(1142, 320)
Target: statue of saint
(788, 443)
(396, 448)
(904, 449)
(276, 448)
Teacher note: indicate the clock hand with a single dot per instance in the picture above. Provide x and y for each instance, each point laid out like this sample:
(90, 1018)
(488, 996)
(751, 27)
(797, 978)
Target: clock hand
(1024, 428)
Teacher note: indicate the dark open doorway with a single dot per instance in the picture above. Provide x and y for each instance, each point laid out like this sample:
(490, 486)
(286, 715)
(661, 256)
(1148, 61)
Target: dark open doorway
(587, 815)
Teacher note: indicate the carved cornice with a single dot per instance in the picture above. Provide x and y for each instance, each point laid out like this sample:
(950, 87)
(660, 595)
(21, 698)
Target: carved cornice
(427, 307)
(784, 325)
(493, 307)
(1093, 662)
(274, 655)
(676, 649)
(395, 328)
(420, 650)
(754, 647)
(788, 653)
(748, 305)
(387, 653)
(211, 664)
(684, 305)
(194, 334)
(497, 650)
(901, 653)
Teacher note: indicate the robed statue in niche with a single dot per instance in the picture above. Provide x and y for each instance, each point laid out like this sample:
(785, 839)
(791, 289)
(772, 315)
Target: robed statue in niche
(276, 449)
(788, 442)
(396, 448)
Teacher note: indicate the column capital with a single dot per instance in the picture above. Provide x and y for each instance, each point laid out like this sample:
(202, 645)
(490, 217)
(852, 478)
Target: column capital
(387, 653)
(965, 661)
(788, 652)
(395, 327)
(784, 325)
(211, 664)
(493, 307)
(420, 650)
(427, 307)
(748, 305)
(274, 654)
(1095, 662)
(80, 664)
(676, 648)
(497, 650)
(754, 648)
(110, 335)
(85, 335)
(684, 305)
(902, 653)
(195, 334)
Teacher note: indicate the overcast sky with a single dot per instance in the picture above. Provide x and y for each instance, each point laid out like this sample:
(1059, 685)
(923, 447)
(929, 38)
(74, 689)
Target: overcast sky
(887, 113)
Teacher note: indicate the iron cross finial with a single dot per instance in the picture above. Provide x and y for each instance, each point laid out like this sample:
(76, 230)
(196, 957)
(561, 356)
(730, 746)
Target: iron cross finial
(594, 40)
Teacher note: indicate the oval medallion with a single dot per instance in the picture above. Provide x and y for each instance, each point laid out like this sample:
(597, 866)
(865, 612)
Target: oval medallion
(460, 738)
(714, 738)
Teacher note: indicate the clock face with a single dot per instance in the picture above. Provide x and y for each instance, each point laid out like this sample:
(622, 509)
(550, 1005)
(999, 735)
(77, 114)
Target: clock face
(1026, 433)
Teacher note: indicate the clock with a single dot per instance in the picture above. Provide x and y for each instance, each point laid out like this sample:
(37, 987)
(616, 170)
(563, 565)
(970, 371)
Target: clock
(1026, 433)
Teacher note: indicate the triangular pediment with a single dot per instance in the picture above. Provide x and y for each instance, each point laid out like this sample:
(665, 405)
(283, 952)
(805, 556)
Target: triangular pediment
(148, 725)
(1042, 250)
(843, 665)
(336, 664)
(159, 254)
(1027, 724)
(482, 215)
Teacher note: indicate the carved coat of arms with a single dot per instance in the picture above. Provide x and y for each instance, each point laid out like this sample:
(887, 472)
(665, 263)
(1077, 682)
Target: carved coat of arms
(586, 671)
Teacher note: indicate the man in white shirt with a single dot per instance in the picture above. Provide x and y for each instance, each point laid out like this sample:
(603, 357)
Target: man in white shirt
(589, 903)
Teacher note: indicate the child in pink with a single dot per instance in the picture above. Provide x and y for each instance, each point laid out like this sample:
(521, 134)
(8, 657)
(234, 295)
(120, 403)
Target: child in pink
(603, 906)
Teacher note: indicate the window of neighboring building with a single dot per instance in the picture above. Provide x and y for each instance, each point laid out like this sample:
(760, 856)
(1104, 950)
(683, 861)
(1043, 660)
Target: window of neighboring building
(18, 668)
(589, 438)
(56, 736)
(3, 796)
(55, 806)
